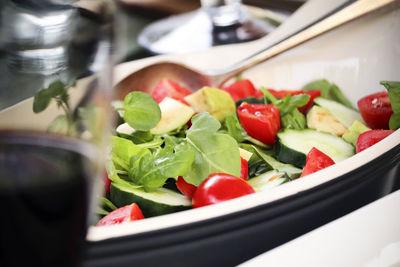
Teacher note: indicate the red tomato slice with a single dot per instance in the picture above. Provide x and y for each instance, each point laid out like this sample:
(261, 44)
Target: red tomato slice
(219, 187)
(312, 93)
(242, 89)
(124, 214)
(185, 188)
(262, 122)
(171, 89)
(316, 160)
(244, 168)
(376, 110)
(369, 138)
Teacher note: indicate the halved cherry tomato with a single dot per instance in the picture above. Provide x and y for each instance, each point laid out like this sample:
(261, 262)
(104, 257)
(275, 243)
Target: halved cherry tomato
(219, 187)
(369, 138)
(376, 110)
(315, 161)
(312, 93)
(185, 188)
(244, 168)
(171, 89)
(124, 214)
(260, 121)
(242, 89)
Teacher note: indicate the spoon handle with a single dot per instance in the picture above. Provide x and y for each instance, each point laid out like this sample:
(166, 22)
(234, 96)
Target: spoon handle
(343, 16)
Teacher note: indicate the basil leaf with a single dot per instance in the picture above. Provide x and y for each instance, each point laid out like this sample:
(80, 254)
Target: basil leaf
(290, 103)
(290, 116)
(122, 152)
(142, 113)
(337, 95)
(41, 100)
(393, 89)
(234, 128)
(214, 151)
(153, 170)
(294, 120)
(323, 85)
(56, 88)
(394, 121)
(329, 91)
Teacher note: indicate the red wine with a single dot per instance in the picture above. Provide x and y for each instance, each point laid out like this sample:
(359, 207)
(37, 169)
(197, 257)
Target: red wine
(44, 195)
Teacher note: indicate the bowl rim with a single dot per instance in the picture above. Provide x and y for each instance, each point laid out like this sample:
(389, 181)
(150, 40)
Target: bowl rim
(332, 173)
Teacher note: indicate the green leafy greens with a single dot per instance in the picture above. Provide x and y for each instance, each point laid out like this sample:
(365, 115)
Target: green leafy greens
(141, 111)
(215, 151)
(393, 89)
(291, 117)
(329, 91)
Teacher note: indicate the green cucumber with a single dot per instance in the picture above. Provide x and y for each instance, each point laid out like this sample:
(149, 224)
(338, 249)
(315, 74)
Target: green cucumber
(268, 180)
(293, 146)
(345, 115)
(159, 202)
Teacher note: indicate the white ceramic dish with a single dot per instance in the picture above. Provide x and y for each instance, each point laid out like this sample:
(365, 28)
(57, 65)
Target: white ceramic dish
(356, 57)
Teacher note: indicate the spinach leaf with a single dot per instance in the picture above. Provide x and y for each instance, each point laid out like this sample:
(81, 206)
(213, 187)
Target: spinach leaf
(214, 151)
(329, 91)
(142, 112)
(393, 89)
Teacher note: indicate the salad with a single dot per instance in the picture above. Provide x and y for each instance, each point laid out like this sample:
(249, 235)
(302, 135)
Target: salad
(175, 149)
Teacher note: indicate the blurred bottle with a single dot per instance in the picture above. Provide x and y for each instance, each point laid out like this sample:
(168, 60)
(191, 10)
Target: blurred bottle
(46, 40)
(35, 34)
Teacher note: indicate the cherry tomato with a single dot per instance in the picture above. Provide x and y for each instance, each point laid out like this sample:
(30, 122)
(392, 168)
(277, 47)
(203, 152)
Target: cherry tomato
(171, 89)
(185, 188)
(312, 93)
(315, 161)
(244, 168)
(376, 110)
(262, 122)
(124, 214)
(219, 187)
(242, 89)
(369, 138)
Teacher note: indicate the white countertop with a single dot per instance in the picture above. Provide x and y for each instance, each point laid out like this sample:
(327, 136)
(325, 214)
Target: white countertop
(369, 236)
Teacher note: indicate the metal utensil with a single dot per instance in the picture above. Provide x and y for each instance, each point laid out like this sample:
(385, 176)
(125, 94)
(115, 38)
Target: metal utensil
(146, 78)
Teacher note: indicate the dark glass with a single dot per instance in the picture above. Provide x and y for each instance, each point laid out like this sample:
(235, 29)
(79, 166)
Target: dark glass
(44, 190)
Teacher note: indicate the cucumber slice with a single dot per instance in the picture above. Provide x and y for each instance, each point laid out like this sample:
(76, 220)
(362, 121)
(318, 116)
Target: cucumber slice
(268, 180)
(345, 115)
(159, 202)
(294, 145)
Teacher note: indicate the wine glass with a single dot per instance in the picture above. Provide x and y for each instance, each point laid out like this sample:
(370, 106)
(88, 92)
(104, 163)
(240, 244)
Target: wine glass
(217, 22)
(55, 61)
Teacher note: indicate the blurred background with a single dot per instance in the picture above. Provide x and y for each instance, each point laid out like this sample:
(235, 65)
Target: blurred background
(135, 15)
